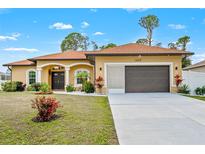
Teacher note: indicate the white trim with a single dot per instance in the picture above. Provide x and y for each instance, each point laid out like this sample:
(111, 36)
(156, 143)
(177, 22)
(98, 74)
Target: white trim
(47, 64)
(170, 64)
(27, 75)
(75, 74)
(116, 91)
(75, 64)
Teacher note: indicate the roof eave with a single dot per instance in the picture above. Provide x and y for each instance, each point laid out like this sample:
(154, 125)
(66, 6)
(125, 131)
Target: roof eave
(131, 54)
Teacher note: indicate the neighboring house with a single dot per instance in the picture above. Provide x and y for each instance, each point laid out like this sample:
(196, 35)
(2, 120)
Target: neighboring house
(4, 77)
(126, 68)
(198, 67)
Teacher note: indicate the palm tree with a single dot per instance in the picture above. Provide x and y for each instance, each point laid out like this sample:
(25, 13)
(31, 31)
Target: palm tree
(149, 23)
(183, 41)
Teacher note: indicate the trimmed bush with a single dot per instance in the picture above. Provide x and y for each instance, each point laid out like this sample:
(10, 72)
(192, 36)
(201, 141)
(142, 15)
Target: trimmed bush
(184, 89)
(36, 86)
(20, 86)
(46, 108)
(9, 86)
(70, 88)
(198, 91)
(30, 88)
(88, 87)
(44, 87)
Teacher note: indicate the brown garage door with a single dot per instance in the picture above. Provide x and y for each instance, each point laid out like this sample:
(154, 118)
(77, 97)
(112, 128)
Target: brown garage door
(146, 79)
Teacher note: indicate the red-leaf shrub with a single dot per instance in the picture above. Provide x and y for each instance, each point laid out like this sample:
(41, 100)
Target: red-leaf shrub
(99, 82)
(46, 107)
(178, 80)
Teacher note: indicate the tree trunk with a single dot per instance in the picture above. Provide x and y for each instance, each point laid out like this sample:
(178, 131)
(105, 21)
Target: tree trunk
(149, 37)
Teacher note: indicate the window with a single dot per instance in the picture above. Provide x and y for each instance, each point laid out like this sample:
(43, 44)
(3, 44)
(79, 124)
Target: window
(32, 77)
(81, 75)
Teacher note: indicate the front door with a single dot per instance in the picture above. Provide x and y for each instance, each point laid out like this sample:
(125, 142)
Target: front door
(58, 80)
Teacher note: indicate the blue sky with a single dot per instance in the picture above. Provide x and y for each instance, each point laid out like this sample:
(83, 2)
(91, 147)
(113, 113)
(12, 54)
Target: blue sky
(26, 33)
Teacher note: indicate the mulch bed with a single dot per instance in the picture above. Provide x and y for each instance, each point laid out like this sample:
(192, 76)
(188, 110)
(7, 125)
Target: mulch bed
(38, 119)
(43, 93)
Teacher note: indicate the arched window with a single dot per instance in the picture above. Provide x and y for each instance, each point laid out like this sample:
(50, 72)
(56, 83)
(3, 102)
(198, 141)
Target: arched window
(31, 77)
(79, 79)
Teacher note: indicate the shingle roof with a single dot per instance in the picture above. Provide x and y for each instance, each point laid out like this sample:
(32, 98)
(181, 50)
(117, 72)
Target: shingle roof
(134, 48)
(127, 49)
(199, 64)
(62, 56)
(20, 63)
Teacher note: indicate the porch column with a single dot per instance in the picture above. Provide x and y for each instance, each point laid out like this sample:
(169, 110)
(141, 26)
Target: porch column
(67, 76)
(39, 75)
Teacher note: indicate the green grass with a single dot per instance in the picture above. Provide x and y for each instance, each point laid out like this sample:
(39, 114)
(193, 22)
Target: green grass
(84, 120)
(198, 97)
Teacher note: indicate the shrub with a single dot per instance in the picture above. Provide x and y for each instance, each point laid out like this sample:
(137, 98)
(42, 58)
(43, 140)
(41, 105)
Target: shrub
(198, 91)
(46, 107)
(9, 86)
(203, 90)
(20, 86)
(178, 80)
(88, 87)
(44, 87)
(184, 89)
(36, 86)
(30, 88)
(70, 88)
(99, 82)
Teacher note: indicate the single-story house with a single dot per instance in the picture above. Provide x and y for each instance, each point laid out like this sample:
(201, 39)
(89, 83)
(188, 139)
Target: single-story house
(198, 67)
(125, 69)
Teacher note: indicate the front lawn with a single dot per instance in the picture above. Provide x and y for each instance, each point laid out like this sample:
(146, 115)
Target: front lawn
(84, 120)
(198, 97)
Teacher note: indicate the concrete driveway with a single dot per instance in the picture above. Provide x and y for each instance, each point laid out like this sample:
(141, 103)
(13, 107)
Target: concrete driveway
(158, 118)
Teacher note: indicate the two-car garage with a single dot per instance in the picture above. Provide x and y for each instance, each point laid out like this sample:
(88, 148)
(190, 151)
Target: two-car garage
(143, 78)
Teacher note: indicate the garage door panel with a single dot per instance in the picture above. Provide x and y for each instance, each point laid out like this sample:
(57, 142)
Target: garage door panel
(147, 78)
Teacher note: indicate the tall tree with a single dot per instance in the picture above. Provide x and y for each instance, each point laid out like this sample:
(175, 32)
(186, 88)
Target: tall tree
(183, 41)
(149, 23)
(94, 45)
(172, 45)
(74, 41)
(142, 41)
(110, 45)
(158, 44)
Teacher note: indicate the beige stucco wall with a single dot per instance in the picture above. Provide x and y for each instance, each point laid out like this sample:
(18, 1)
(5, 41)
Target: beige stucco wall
(198, 69)
(74, 68)
(19, 72)
(63, 62)
(100, 60)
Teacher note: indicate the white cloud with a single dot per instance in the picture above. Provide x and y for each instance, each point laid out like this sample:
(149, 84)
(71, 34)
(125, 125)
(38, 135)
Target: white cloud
(84, 24)
(13, 37)
(177, 26)
(60, 25)
(204, 21)
(98, 33)
(136, 9)
(93, 10)
(30, 50)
